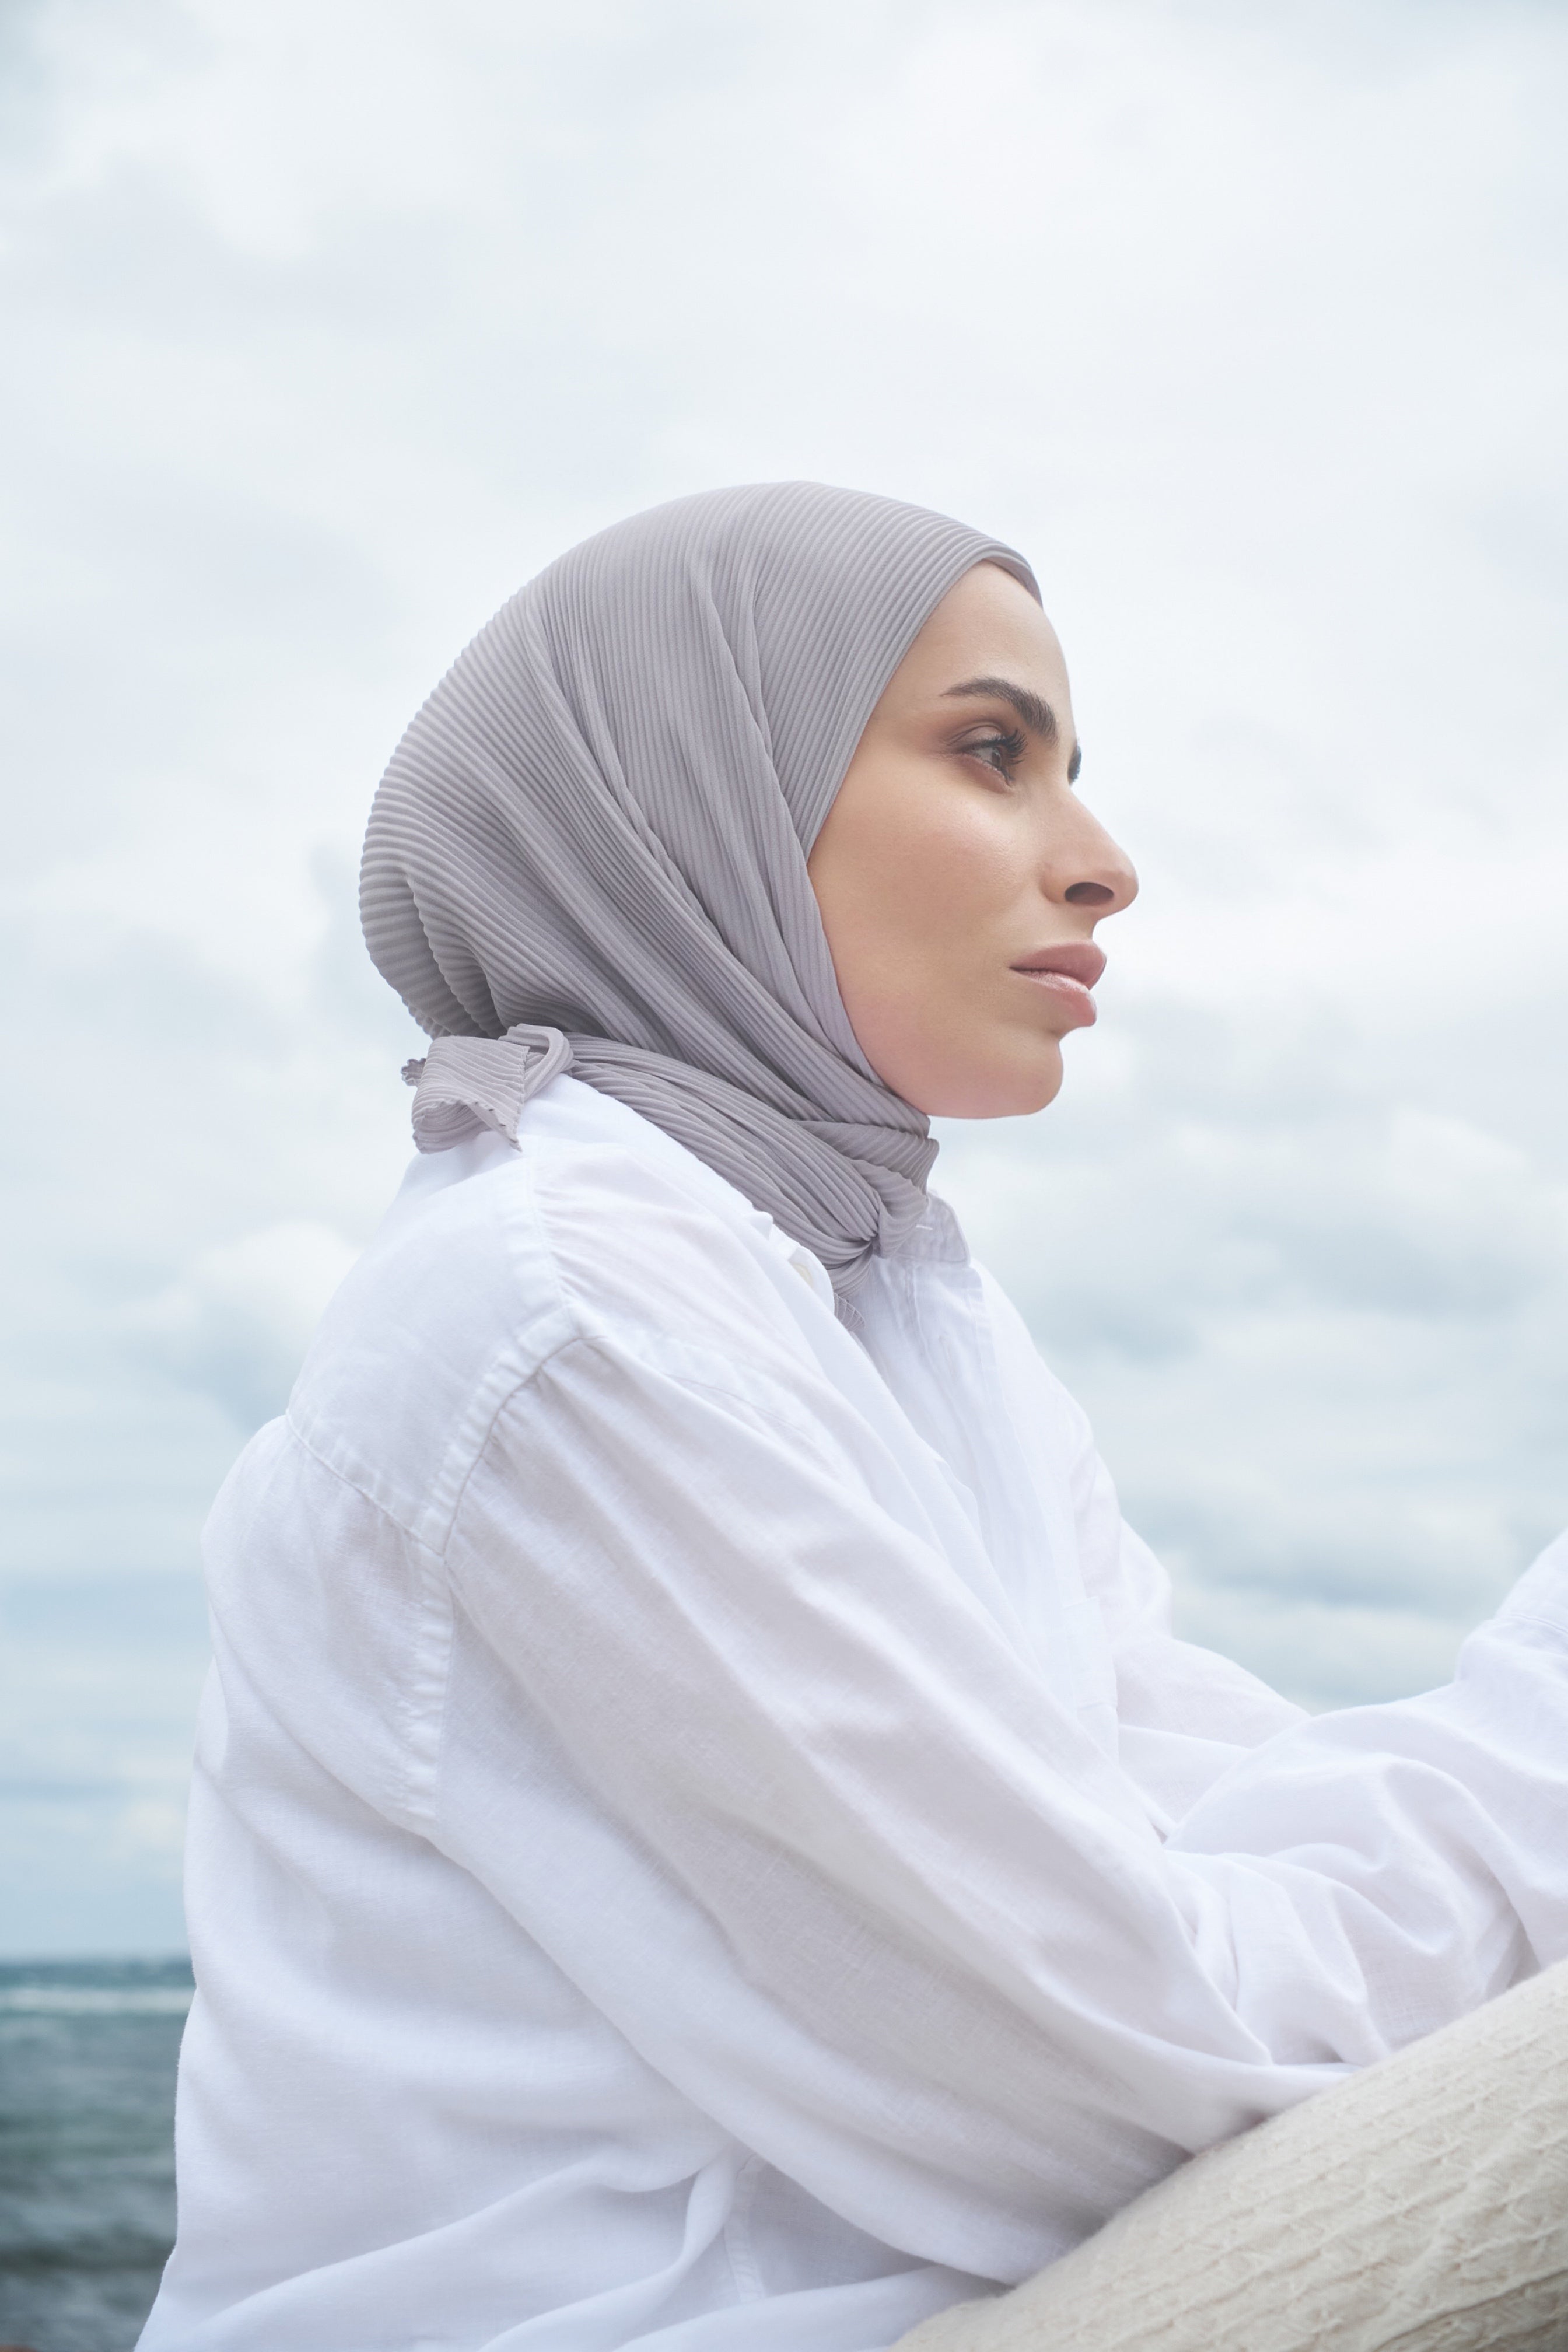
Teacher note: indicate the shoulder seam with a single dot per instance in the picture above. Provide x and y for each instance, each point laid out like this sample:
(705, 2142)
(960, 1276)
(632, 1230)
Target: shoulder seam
(356, 1486)
(799, 1428)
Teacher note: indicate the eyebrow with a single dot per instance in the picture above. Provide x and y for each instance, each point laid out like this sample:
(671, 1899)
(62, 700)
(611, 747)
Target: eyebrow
(1036, 713)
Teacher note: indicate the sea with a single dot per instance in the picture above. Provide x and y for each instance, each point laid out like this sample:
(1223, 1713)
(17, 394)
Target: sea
(88, 2050)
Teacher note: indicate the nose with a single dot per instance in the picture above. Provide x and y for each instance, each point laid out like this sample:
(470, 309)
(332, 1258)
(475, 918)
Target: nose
(1088, 868)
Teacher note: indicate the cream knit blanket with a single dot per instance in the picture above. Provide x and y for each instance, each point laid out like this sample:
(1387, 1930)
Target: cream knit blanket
(1422, 2207)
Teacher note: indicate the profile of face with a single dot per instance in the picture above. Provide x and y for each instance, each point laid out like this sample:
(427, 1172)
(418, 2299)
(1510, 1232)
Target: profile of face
(959, 877)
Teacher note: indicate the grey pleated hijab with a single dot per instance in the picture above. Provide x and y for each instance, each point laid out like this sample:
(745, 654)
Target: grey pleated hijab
(589, 848)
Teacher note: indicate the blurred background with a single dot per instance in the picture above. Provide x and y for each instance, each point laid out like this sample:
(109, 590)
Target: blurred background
(330, 322)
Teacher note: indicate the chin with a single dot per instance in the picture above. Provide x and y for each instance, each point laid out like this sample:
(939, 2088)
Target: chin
(1039, 1096)
(1004, 1093)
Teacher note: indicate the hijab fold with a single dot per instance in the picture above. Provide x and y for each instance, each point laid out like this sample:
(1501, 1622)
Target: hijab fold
(589, 850)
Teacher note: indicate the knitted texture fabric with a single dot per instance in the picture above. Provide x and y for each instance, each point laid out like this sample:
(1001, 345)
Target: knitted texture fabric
(1422, 2207)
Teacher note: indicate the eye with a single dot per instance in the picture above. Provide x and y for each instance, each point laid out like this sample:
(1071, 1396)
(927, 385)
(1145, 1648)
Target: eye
(1001, 753)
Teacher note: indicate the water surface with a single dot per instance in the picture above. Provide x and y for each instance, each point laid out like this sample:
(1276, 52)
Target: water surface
(87, 2050)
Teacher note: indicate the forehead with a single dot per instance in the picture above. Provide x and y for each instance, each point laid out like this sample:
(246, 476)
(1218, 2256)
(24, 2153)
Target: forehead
(986, 626)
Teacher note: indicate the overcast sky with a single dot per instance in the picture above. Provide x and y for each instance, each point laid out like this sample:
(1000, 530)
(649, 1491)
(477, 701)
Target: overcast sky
(330, 322)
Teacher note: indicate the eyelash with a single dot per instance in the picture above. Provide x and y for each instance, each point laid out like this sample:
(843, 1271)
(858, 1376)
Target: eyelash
(1011, 747)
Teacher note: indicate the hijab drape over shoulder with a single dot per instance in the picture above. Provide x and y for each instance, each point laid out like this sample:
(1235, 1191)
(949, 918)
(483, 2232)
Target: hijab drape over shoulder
(590, 846)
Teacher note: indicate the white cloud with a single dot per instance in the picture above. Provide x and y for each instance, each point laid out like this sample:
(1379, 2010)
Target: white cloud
(1320, 1330)
(237, 1321)
(332, 322)
(99, 1679)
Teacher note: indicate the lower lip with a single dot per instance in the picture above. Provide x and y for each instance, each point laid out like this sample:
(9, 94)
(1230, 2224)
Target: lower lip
(1070, 994)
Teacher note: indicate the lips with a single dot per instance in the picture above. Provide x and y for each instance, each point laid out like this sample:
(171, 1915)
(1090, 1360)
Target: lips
(1069, 972)
(1078, 959)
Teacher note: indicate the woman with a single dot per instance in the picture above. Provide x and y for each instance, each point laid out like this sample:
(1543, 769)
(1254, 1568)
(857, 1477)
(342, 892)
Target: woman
(703, 1834)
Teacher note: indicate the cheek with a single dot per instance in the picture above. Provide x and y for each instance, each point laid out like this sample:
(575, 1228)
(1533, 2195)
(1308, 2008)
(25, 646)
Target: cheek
(946, 872)
(923, 894)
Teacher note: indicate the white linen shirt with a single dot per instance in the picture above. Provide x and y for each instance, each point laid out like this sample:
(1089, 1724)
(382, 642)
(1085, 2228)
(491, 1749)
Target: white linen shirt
(703, 1836)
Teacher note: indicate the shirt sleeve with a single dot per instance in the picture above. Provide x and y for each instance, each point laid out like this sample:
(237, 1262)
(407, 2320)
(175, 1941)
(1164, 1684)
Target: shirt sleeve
(870, 1898)
(1185, 1713)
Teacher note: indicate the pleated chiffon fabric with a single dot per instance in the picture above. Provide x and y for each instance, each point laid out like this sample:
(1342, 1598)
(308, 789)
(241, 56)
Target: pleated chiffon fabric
(589, 850)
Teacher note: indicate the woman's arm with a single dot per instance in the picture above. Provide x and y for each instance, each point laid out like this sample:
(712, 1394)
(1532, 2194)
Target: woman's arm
(872, 1900)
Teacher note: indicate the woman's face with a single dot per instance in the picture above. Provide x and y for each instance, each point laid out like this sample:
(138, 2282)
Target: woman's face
(959, 875)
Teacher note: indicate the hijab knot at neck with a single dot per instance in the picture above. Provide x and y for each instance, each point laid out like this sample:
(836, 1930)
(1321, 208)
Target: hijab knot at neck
(466, 1084)
(589, 850)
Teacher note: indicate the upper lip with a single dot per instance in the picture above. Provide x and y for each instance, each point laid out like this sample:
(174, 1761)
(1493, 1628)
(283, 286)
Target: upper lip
(1079, 960)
